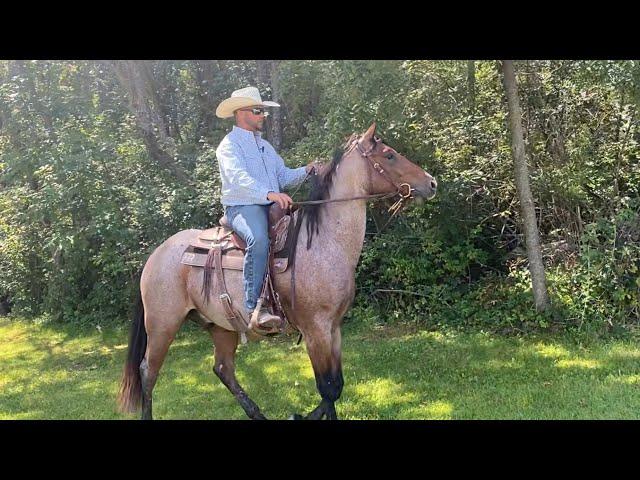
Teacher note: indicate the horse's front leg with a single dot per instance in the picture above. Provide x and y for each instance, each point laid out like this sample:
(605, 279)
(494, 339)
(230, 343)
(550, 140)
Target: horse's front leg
(225, 344)
(324, 349)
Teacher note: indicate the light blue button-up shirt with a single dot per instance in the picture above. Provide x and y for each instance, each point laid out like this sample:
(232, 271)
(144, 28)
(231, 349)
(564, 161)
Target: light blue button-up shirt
(250, 168)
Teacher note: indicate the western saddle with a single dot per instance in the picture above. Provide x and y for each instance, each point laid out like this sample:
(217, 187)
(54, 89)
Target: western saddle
(220, 248)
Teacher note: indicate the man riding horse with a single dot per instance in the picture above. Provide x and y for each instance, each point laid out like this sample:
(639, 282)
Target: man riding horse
(253, 175)
(315, 291)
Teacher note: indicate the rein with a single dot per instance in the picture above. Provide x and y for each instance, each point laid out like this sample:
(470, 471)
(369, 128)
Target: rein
(394, 209)
(361, 197)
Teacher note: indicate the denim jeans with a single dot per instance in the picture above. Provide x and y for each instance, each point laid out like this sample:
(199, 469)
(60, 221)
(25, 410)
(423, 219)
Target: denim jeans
(251, 223)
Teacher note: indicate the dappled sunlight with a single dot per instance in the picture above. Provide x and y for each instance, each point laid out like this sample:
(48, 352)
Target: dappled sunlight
(186, 380)
(12, 333)
(421, 376)
(104, 350)
(10, 349)
(282, 369)
(436, 410)
(397, 333)
(14, 388)
(31, 415)
(52, 377)
(183, 343)
(382, 391)
(579, 363)
(15, 374)
(551, 351)
(495, 364)
(563, 358)
(438, 337)
(625, 379)
(95, 386)
(625, 352)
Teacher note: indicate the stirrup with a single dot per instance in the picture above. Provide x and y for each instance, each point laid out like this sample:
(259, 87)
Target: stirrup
(256, 326)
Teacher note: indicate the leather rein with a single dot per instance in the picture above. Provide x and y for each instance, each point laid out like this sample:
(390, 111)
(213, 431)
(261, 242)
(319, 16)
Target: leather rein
(394, 209)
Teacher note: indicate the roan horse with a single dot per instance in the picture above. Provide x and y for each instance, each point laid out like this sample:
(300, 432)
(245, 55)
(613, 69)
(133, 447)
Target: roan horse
(324, 280)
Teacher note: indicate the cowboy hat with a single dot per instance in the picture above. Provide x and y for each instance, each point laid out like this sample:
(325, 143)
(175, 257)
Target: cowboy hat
(245, 97)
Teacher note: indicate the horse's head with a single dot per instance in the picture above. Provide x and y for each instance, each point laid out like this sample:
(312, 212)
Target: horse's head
(391, 170)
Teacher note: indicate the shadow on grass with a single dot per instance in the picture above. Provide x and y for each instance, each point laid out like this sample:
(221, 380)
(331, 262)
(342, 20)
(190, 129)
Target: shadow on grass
(58, 371)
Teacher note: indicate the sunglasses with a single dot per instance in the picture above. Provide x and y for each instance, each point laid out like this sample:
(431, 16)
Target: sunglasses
(256, 111)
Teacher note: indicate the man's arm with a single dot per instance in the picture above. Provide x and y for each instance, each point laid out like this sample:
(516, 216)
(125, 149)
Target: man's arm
(233, 166)
(289, 177)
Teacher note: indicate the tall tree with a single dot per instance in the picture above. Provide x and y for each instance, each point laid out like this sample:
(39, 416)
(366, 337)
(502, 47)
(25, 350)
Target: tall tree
(532, 237)
(136, 77)
(471, 84)
(267, 79)
(204, 74)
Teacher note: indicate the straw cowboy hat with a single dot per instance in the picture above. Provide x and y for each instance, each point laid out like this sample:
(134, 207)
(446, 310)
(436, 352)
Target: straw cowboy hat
(245, 97)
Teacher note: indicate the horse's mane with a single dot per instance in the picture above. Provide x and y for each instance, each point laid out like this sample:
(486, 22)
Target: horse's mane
(320, 186)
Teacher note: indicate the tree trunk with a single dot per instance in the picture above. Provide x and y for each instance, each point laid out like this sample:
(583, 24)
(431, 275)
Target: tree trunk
(165, 88)
(532, 239)
(267, 79)
(471, 100)
(471, 84)
(276, 122)
(136, 78)
(204, 75)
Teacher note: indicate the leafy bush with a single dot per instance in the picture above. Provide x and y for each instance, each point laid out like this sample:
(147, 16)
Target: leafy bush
(82, 202)
(604, 285)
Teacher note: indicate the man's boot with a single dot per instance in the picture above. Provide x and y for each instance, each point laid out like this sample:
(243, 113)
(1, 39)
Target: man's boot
(263, 322)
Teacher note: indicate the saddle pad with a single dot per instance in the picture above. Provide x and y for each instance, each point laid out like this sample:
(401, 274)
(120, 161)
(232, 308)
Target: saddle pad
(198, 258)
(214, 234)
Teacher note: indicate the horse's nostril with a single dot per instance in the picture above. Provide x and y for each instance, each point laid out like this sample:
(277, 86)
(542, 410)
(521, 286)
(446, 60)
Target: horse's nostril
(434, 184)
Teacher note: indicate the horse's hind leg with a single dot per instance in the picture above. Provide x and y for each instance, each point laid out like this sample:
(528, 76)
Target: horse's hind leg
(225, 344)
(157, 346)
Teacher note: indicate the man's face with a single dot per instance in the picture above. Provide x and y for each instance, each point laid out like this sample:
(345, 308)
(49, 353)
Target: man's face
(251, 118)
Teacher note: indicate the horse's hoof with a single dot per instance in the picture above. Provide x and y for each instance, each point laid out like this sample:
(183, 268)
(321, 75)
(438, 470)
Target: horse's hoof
(296, 416)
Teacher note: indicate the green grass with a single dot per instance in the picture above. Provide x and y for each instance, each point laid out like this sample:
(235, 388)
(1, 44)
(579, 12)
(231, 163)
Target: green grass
(50, 371)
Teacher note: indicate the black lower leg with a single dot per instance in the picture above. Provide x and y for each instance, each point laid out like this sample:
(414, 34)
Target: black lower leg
(330, 413)
(319, 411)
(147, 389)
(330, 387)
(251, 409)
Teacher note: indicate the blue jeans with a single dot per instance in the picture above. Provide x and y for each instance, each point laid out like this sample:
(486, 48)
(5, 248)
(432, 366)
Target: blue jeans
(251, 223)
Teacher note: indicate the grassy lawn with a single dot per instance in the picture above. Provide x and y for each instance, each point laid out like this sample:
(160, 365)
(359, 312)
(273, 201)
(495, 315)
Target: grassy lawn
(52, 371)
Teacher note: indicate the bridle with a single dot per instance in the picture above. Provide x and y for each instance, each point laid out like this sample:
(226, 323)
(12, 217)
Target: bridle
(395, 208)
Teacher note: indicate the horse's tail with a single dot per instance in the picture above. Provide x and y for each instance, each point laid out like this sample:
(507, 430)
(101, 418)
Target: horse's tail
(130, 396)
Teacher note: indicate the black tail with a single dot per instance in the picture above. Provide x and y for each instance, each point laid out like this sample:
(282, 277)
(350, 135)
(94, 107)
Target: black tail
(130, 396)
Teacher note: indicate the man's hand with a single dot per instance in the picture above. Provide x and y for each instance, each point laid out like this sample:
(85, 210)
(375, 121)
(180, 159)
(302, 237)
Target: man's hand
(312, 167)
(281, 199)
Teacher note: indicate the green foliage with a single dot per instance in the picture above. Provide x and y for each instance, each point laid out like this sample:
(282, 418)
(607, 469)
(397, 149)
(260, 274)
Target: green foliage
(93, 205)
(406, 273)
(83, 202)
(604, 286)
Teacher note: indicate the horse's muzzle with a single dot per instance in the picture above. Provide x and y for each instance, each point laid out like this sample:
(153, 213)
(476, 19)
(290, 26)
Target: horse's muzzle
(427, 189)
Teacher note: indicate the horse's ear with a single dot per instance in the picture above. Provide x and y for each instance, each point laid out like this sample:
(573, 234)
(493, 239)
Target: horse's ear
(368, 135)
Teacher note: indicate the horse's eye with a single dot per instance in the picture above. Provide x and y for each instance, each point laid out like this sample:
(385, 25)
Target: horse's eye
(390, 156)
